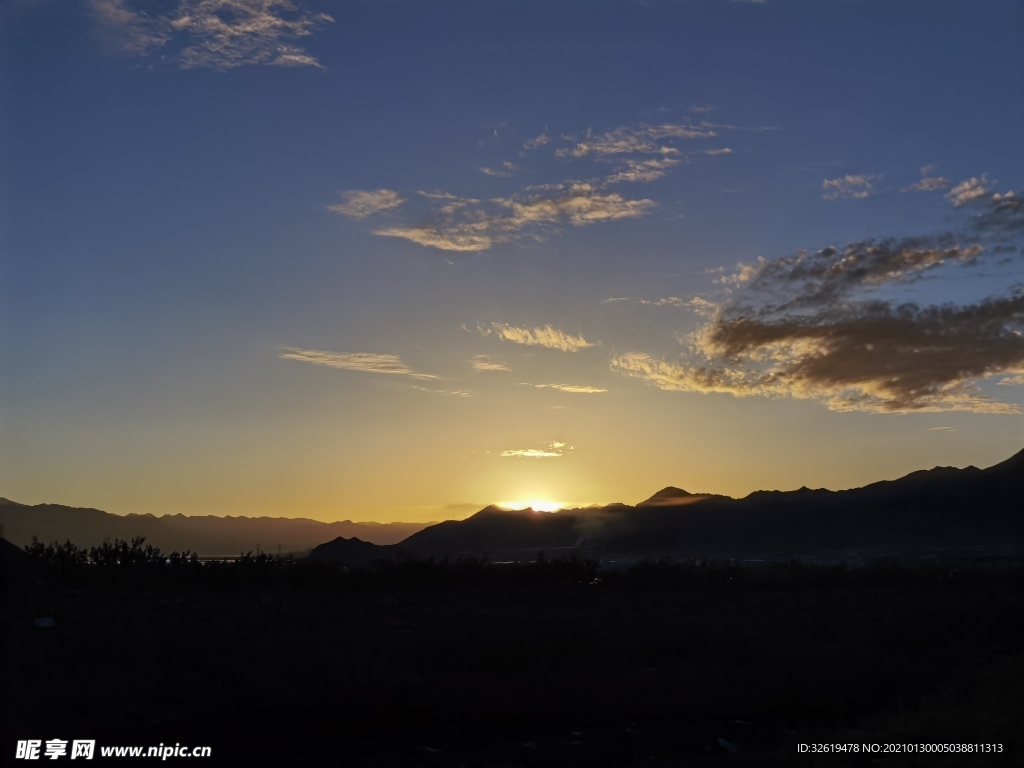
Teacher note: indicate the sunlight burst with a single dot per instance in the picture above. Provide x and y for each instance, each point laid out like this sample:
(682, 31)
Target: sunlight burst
(538, 505)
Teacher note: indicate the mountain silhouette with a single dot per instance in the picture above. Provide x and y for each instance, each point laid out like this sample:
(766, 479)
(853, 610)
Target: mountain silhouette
(207, 535)
(941, 509)
(349, 551)
(668, 495)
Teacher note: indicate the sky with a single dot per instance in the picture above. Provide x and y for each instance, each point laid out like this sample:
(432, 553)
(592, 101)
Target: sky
(382, 260)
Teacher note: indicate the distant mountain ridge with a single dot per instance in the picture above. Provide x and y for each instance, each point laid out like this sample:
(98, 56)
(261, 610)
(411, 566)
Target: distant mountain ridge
(208, 535)
(943, 508)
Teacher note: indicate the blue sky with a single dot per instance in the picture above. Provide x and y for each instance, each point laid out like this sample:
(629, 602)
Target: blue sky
(328, 258)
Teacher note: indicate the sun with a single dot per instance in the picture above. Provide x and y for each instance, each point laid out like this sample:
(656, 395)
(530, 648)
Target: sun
(538, 505)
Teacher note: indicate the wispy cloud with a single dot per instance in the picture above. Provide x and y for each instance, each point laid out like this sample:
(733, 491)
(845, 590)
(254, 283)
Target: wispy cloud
(928, 183)
(644, 139)
(697, 303)
(553, 450)
(219, 34)
(368, 362)
(642, 170)
(359, 204)
(539, 141)
(576, 389)
(507, 169)
(456, 237)
(668, 301)
(133, 33)
(448, 392)
(848, 186)
(464, 224)
(582, 204)
(641, 153)
(969, 190)
(728, 127)
(541, 336)
(484, 363)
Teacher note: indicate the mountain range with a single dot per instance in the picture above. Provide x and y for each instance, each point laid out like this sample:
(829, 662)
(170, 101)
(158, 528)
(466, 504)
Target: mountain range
(944, 509)
(941, 509)
(208, 535)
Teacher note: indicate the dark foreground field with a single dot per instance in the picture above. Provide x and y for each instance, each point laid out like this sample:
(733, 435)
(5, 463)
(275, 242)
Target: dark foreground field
(417, 665)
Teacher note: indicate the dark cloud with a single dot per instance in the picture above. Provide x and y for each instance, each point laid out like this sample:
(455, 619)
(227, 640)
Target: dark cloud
(884, 357)
(810, 326)
(1002, 216)
(826, 276)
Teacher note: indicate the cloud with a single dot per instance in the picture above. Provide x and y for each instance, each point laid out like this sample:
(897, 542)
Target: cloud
(871, 357)
(642, 170)
(645, 139)
(484, 363)
(459, 237)
(369, 362)
(968, 191)
(359, 204)
(669, 301)
(540, 141)
(541, 336)
(572, 388)
(219, 34)
(449, 392)
(583, 204)
(704, 109)
(531, 453)
(553, 450)
(814, 326)
(1000, 216)
(727, 127)
(742, 275)
(507, 169)
(466, 224)
(698, 304)
(641, 153)
(702, 306)
(823, 277)
(929, 184)
(130, 32)
(848, 186)
(683, 378)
